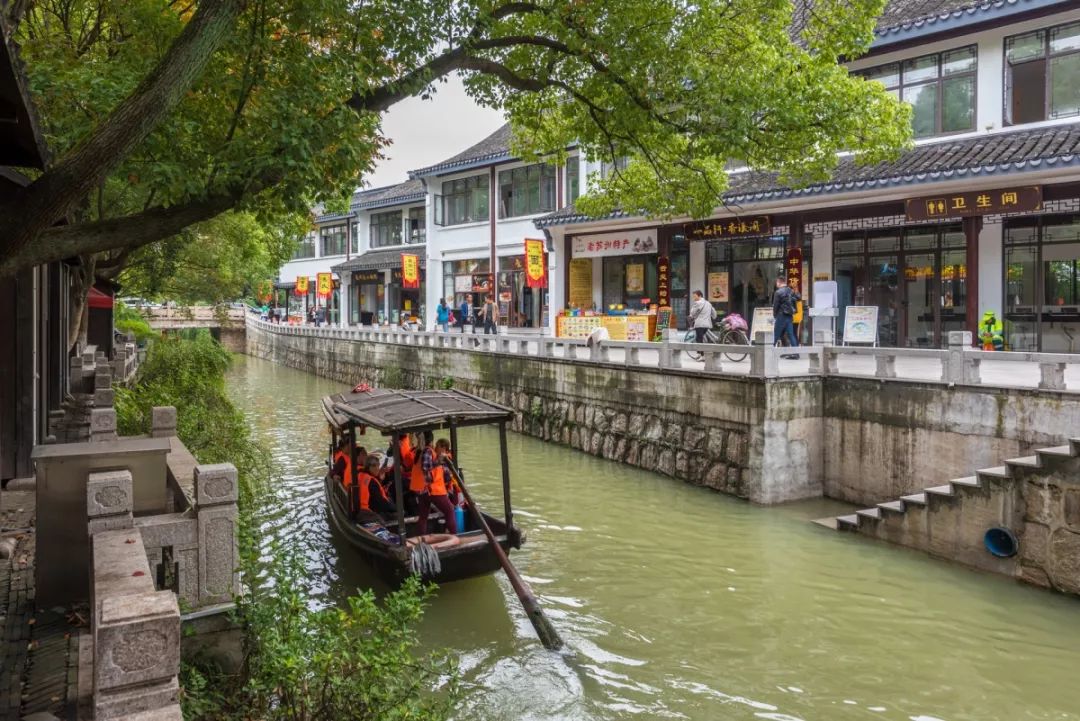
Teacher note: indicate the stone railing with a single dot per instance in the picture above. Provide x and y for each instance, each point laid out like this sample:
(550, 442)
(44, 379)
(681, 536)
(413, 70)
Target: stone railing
(125, 362)
(161, 532)
(958, 364)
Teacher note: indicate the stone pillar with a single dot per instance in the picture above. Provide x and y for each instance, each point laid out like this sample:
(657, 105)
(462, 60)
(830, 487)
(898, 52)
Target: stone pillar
(109, 501)
(102, 424)
(162, 421)
(216, 494)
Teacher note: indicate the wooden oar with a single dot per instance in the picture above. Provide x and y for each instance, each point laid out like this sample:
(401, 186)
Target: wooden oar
(547, 633)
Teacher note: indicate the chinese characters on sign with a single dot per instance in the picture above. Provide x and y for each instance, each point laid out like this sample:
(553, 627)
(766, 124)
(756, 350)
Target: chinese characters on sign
(324, 285)
(718, 287)
(535, 270)
(614, 244)
(728, 228)
(979, 202)
(663, 281)
(410, 270)
(793, 268)
(301, 285)
(580, 294)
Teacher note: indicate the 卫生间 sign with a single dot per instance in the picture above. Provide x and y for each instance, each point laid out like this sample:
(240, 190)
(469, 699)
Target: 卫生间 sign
(978, 202)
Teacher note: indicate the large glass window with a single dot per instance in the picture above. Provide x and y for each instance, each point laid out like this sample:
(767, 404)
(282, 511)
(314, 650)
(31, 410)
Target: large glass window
(306, 247)
(526, 191)
(333, 240)
(463, 201)
(940, 89)
(1042, 75)
(573, 179)
(354, 238)
(1042, 284)
(385, 229)
(417, 225)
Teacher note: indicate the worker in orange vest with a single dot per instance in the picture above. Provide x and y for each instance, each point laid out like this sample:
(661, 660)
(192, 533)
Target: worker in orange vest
(428, 481)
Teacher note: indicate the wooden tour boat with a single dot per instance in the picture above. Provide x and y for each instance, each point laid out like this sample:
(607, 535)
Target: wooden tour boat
(394, 555)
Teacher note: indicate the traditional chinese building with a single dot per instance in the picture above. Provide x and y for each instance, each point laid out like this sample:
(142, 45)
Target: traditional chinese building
(983, 214)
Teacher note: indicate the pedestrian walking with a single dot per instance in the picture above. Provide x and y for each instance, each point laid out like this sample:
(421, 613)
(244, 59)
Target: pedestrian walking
(783, 308)
(442, 315)
(490, 313)
(465, 312)
(702, 315)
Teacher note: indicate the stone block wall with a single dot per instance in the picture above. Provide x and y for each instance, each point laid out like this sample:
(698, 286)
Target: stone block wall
(1050, 542)
(703, 430)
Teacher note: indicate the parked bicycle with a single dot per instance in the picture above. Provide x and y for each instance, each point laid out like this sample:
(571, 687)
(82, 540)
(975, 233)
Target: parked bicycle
(732, 330)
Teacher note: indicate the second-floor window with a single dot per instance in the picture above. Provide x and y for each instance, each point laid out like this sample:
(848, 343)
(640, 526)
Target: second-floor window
(940, 89)
(573, 179)
(609, 168)
(527, 191)
(463, 201)
(333, 240)
(1042, 75)
(385, 229)
(355, 238)
(305, 248)
(417, 225)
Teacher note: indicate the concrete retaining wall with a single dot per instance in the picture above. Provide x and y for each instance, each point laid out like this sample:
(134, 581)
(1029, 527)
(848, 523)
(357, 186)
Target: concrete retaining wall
(886, 439)
(750, 438)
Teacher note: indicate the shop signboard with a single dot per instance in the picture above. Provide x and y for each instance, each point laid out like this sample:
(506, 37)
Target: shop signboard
(600, 245)
(463, 283)
(324, 285)
(301, 285)
(793, 266)
(762, 322)
(535, 267)
(719, 229)
(580, 293)
(978, 202)
(663, 322)
(663, 280)
(861, 324)
(410, 270)
(635, 278)
(367, 277)
(718, 287)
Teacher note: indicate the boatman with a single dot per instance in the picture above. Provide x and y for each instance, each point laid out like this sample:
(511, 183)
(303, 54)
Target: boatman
(428, 481)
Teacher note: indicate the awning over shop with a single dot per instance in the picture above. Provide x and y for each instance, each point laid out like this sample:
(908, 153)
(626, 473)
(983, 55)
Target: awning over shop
(388, 259)
(96, 299)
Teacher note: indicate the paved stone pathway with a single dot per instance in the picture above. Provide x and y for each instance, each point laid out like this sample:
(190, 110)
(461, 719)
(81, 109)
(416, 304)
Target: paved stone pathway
(38, 647)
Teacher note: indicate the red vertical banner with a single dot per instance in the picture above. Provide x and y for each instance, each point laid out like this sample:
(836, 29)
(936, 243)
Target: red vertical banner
(793, 268)
(663, 281)
(324, 285)
(410, 270)
(301, 285)
(535, 267)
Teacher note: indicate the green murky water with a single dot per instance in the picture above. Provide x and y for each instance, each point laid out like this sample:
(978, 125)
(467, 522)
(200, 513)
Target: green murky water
(679, 603)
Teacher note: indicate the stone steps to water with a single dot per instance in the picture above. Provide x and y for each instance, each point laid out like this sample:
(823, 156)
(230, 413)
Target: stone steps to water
(954, 488)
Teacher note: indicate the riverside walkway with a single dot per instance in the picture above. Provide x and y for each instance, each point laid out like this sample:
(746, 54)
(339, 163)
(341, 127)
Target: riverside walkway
(956, 365)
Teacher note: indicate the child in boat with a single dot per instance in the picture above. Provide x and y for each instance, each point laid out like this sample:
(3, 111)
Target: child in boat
(430, 478)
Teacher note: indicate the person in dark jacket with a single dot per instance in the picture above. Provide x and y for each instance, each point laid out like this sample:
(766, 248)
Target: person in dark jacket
(464, 314)
(783, 308)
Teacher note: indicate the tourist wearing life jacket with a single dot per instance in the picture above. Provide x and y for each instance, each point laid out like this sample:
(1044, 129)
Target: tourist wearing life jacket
(431, 478)
(342, 469)
(990, 331)
(371, 496)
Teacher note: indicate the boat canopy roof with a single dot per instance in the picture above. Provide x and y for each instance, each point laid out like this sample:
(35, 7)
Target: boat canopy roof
(392, 410)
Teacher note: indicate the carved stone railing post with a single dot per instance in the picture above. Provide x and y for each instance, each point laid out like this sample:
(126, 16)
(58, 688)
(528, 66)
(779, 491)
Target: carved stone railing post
(216, 494)
(885, 366)
(109, 501)
(162, 422)
(1052, 376)
(102, 424)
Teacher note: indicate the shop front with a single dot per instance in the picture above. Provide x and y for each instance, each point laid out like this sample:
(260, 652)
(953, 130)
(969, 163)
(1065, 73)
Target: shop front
(520, 306)
(612, 276)
(405, 302)
(1042, 283)
(464, 278)
(916, 277)
(367, 306)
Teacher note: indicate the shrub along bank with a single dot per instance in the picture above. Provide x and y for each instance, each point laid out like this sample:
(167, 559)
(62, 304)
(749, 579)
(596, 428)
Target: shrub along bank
(302, 662)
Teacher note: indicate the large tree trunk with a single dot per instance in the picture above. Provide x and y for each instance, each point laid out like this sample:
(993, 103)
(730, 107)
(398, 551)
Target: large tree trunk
(82, 278)
(54, 194)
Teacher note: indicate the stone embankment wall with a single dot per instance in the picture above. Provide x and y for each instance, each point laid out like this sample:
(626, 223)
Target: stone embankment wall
(745, 437)
(883, 440)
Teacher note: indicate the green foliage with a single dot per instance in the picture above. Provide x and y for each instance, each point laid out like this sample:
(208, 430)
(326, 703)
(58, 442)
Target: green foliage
(302, 662)
(128, 320)
(392, 377)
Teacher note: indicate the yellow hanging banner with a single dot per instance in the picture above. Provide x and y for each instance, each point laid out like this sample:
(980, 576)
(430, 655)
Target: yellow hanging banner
(301, 285)
(410, 271)
(324, 285)
(535, 268)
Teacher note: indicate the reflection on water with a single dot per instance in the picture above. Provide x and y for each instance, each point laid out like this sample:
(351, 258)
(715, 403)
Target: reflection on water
(680, 603)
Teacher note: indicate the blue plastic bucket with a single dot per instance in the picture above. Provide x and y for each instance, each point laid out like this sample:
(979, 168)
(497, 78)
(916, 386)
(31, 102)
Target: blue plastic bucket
(1001, 542)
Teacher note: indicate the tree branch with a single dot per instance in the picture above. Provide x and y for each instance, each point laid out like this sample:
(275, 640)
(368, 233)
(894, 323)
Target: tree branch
(49, 198)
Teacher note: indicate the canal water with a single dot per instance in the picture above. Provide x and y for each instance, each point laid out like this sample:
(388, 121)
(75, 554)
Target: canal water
(680, 603)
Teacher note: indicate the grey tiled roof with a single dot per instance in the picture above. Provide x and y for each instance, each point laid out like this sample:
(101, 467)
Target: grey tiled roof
(381, 259)
(494, 147)
(405, 192)
(983, 156)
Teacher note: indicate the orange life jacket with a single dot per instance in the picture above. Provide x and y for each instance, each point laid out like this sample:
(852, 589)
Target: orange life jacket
(346, 479)
(417, 482)
(366, 481)
(407, 453)
(439, 476)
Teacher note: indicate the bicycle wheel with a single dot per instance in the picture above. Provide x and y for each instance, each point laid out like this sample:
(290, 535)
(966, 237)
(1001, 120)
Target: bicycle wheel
(691, 337)
(735, 337)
